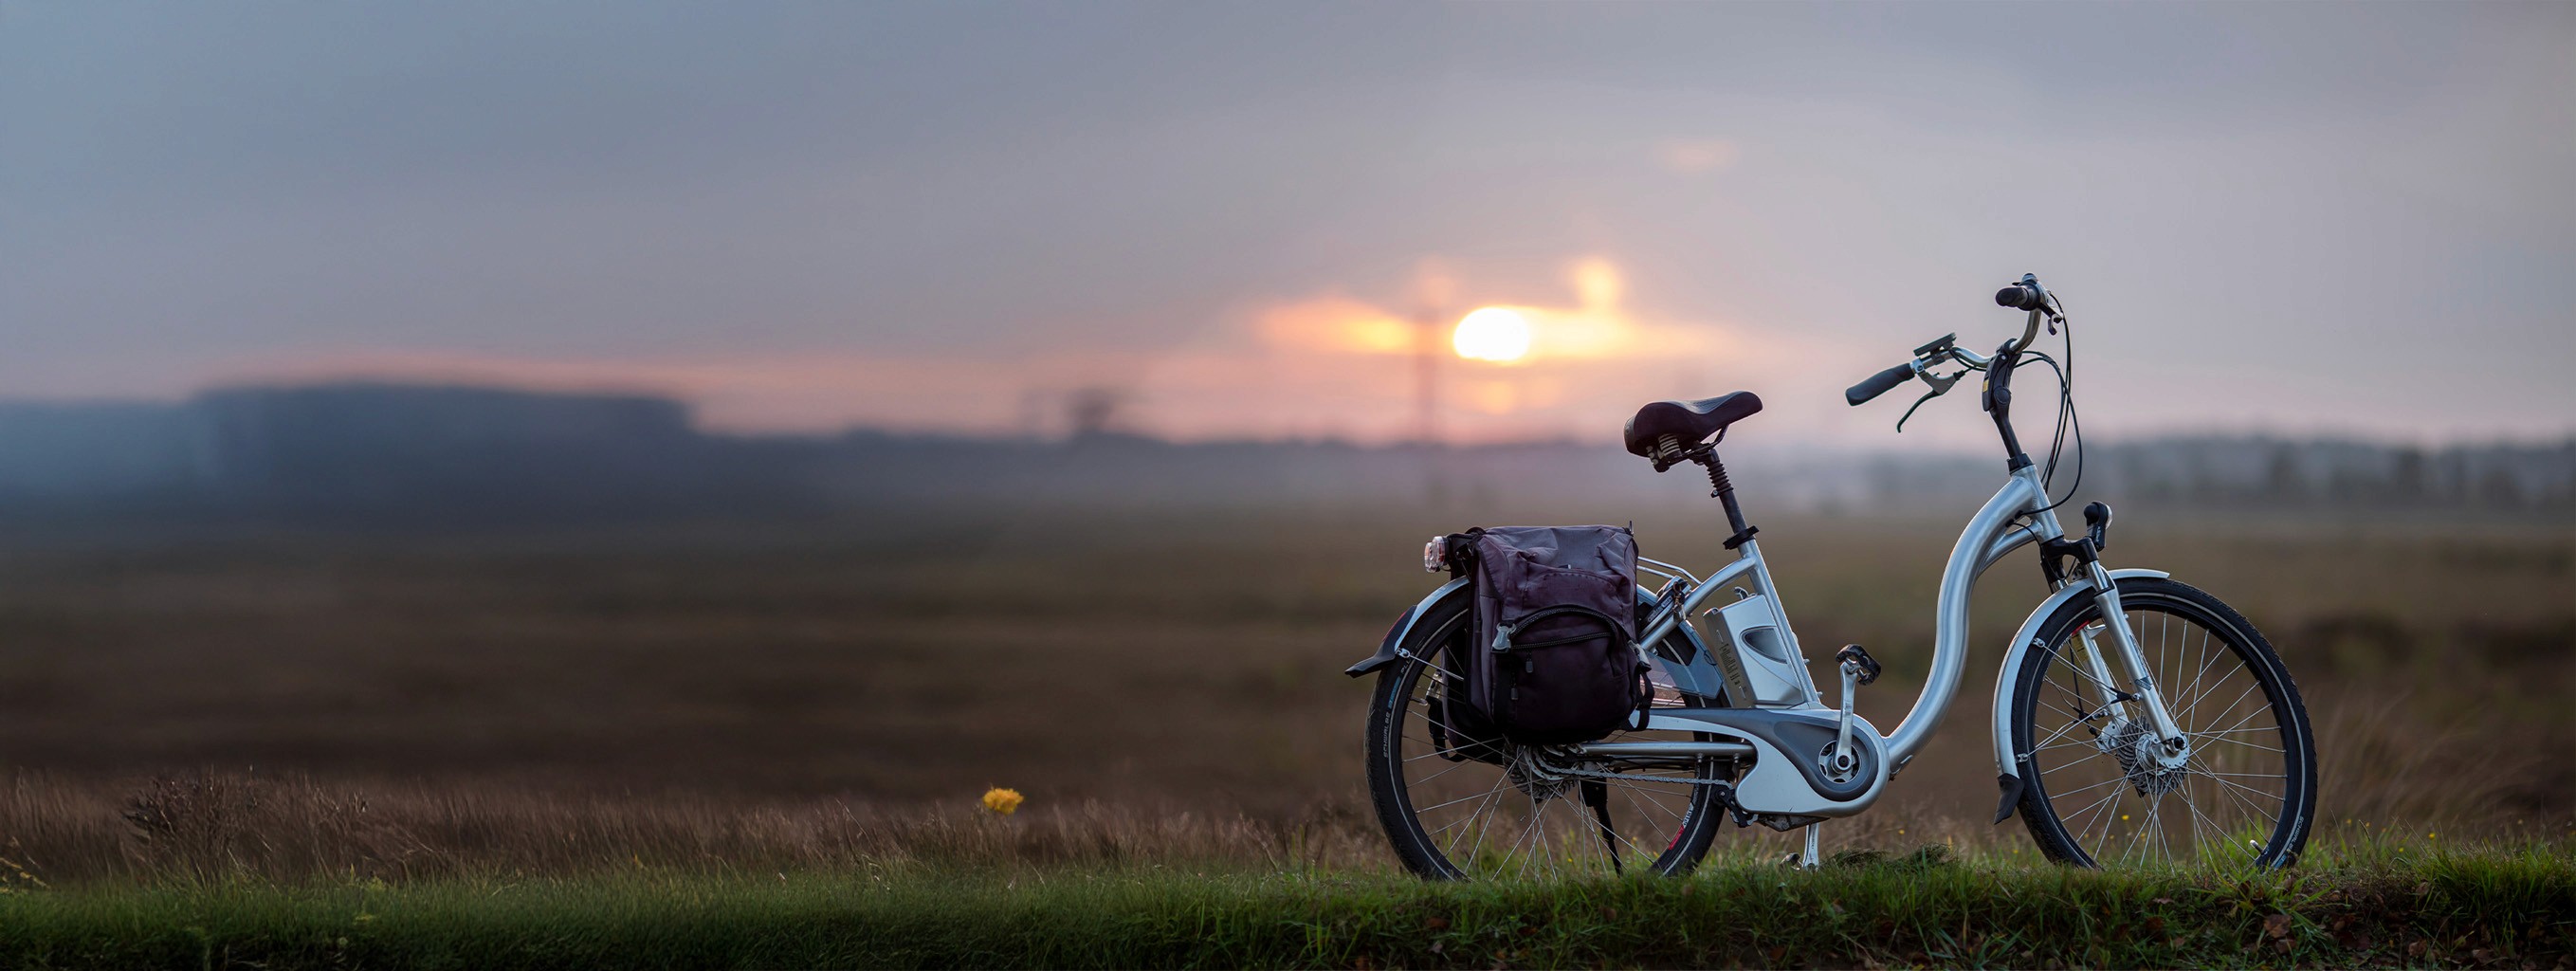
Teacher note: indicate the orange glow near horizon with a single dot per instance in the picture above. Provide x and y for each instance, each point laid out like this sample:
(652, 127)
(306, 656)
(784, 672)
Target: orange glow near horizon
(1497, 334)
(1331, 365)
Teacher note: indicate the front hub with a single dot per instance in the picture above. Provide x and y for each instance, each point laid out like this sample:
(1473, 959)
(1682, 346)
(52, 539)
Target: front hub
(2150, 765)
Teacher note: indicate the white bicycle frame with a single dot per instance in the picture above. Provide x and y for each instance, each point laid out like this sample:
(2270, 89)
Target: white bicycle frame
(2017, 515)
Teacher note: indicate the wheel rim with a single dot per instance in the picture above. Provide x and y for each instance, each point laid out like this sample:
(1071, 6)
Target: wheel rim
(1479, 820)
(2230, 800)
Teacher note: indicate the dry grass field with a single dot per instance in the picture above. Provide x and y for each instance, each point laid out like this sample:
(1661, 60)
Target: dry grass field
(1165, 689)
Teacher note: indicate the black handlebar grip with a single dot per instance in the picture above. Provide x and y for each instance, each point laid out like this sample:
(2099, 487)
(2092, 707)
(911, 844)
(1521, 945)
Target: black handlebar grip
(2018, 297)
(1877, 384)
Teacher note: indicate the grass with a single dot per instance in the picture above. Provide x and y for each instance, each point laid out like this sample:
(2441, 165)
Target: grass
(2506, 908)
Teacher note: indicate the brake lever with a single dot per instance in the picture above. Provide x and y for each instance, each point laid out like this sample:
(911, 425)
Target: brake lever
(1940, 386)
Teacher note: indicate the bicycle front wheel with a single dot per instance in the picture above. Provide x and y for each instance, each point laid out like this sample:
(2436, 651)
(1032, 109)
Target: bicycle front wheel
(2097, 790)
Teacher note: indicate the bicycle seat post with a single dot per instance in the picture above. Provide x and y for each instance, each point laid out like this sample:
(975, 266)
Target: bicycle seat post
(1724, 490)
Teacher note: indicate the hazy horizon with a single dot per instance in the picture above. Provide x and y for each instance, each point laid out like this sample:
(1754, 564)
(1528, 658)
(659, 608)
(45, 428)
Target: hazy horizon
(2264, 219)
(1057, 426)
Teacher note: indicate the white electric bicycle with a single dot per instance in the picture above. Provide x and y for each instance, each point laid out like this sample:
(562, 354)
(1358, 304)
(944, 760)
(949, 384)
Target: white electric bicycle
(2136, 719)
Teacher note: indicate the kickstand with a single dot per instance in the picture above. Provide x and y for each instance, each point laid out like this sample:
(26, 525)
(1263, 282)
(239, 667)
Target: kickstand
(1813, 860)
(1596, 794)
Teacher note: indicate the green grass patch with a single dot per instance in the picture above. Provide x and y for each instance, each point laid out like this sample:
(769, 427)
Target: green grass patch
(2497, 908)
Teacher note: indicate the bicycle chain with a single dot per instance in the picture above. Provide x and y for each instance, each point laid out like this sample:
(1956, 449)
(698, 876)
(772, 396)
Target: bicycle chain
(1726, 791)
(1661, 778)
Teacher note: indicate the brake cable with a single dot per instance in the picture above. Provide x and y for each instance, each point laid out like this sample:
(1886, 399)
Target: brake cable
(2067, 419)
(1940, 386)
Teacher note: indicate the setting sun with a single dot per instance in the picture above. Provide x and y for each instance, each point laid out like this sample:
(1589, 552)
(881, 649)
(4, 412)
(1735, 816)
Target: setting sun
(1492, 334)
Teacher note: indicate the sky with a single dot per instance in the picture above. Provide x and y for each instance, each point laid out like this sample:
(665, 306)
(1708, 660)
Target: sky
(1236, 220)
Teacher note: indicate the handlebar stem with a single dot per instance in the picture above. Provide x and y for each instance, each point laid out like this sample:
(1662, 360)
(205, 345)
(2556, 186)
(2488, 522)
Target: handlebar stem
(2030, 332)
(1998, 402)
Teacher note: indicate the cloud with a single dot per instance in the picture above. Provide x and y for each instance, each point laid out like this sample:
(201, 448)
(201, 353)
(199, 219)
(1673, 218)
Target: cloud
(1339, 324)
(803, 215)
(1696, 156)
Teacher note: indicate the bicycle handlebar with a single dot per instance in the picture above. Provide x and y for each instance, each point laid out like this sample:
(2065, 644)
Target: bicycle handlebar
(2026, 294)
(1878, 384)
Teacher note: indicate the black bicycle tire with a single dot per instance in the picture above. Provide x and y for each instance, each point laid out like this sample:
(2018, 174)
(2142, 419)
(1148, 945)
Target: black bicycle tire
(2280, 690)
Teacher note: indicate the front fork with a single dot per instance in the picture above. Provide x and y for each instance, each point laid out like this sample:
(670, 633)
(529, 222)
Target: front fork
(2140, 687)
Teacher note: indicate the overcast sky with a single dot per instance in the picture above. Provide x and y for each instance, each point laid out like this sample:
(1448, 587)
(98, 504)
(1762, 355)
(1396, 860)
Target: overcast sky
(2291, 217)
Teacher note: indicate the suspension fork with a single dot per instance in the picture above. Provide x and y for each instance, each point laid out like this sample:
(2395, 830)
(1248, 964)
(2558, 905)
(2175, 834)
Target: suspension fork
(2105, 689)
(2141, 684)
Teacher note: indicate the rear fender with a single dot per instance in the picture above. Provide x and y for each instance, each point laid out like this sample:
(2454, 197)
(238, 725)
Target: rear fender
(1393, 649)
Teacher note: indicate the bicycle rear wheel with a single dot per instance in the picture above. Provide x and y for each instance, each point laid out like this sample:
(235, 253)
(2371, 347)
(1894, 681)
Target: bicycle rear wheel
(2095, 793)
(1516, 811)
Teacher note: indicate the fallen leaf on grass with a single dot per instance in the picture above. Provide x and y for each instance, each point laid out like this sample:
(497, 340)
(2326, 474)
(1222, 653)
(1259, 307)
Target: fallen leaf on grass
(1435, 923)
(2277, 926)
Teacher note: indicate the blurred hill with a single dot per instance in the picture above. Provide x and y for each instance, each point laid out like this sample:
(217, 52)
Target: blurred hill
(396, 456)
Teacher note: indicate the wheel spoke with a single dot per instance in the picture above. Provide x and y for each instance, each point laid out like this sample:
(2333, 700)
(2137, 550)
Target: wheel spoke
(2233, 771)
(1520, 813)
(1491, 812)
(2250, 687)
(1480, 808)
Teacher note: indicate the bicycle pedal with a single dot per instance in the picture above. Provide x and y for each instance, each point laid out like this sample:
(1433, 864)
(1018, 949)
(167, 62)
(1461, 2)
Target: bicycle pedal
(1858, 657)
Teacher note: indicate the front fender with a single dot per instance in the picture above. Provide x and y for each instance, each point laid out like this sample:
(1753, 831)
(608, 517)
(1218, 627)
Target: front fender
(1387, 653)
(2006, 680)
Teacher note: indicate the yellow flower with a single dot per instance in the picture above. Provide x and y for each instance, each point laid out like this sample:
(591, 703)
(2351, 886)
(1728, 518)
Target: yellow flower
(1004, 801)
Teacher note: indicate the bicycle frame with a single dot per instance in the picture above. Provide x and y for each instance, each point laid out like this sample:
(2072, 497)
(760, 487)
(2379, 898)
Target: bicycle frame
(1990, 535)
(1782, 788)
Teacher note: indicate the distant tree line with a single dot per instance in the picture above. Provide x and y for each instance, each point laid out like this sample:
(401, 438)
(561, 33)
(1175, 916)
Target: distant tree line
(2279, 472)
(2261, 472)
(414, 456)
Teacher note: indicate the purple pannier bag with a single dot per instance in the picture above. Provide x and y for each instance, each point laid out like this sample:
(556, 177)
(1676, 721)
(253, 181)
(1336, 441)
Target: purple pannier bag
(1554, 658)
